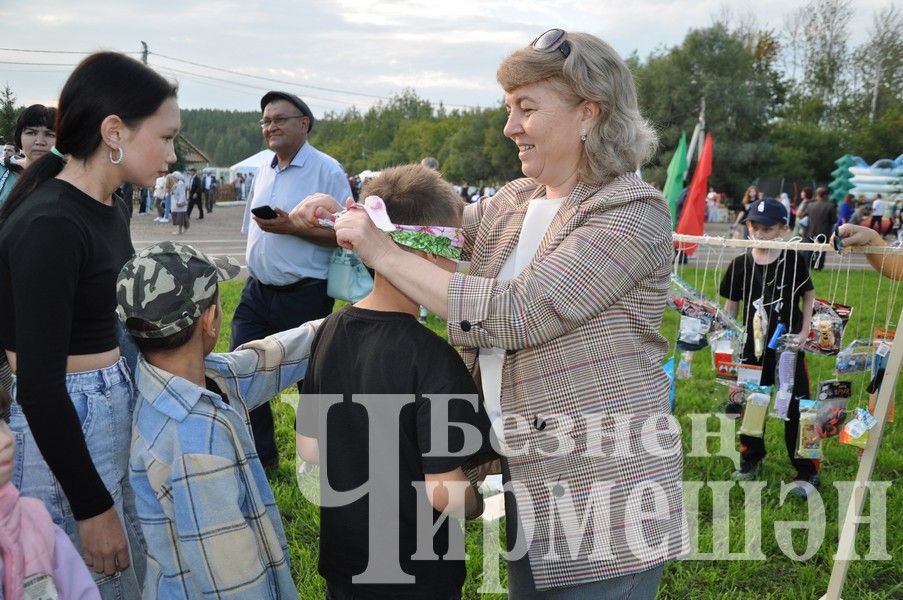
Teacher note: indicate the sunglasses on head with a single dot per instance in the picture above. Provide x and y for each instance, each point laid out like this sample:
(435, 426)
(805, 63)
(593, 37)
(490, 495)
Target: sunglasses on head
(551, 40)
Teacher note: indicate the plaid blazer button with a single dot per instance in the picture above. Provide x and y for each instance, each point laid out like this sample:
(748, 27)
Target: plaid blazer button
(539, 422)
(465, 325)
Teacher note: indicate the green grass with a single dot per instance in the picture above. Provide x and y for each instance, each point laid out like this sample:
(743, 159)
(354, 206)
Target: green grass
(776, 577)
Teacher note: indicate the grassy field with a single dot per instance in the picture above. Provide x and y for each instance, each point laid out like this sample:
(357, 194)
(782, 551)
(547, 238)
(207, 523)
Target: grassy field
(773, 575)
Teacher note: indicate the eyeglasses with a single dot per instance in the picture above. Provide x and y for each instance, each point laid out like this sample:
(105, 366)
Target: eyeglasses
(551, 40)
(278, 121)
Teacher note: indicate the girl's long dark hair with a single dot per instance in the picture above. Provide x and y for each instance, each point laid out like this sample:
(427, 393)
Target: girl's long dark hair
(105, 83)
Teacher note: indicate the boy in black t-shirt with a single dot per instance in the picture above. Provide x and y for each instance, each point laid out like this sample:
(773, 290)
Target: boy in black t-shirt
(385, 538)
(775, 282)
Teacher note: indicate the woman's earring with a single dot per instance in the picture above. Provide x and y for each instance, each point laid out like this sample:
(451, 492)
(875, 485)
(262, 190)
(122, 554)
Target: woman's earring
(121, 156)
(583, 135)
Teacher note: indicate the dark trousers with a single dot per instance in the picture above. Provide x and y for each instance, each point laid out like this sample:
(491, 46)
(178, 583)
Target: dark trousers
(208, 200)
(192, 202)
(265, 310)
(752, 449)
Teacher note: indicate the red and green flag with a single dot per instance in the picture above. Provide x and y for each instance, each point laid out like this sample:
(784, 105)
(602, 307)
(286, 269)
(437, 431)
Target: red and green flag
(692, 217)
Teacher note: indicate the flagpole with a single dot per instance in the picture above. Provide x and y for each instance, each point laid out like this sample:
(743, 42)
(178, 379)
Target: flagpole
(698, 137)
(701, 126)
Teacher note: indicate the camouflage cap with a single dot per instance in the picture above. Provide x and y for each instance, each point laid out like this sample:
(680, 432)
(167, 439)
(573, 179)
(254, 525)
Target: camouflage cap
(168, 285)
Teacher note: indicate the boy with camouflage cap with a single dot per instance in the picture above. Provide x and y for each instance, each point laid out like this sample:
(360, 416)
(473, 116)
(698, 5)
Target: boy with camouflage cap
(205, 506)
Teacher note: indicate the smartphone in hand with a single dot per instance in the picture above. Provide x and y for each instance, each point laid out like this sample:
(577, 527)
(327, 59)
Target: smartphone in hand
(264, 212)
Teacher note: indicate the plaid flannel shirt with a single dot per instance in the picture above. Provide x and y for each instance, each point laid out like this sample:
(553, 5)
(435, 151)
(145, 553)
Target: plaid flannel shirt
(206, 509)
(582, 369)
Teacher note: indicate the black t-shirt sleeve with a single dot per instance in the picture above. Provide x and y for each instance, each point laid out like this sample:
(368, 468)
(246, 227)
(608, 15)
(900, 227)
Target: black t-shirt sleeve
(731, 286)
(47, 258)
(464, 409)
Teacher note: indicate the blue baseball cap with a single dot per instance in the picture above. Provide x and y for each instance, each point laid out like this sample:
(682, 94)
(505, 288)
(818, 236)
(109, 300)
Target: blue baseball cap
(768, 212)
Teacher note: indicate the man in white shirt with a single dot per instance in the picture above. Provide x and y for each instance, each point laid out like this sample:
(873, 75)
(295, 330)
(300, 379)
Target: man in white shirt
(878, 207)
(287, 264)
(160, 199)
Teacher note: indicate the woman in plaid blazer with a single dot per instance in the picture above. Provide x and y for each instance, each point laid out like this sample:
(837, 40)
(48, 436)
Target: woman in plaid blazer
(559, 320)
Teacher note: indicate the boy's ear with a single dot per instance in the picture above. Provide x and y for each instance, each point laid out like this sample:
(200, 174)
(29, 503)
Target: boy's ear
(208, 321)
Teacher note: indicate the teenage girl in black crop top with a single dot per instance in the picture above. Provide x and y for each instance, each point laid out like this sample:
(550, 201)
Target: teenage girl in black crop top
(63, 239)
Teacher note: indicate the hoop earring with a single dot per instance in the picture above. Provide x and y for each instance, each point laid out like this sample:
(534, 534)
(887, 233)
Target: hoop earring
(121, 156)
(583, 135)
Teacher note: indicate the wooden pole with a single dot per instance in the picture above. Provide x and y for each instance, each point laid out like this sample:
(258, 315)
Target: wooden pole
(847, 543)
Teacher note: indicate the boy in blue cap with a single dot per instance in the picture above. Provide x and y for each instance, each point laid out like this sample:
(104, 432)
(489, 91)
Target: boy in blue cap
(773, 284)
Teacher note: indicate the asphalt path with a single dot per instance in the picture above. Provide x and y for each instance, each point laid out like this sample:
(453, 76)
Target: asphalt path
(219, 234)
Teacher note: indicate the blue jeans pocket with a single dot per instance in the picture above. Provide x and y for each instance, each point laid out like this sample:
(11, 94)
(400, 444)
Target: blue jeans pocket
(96, 415)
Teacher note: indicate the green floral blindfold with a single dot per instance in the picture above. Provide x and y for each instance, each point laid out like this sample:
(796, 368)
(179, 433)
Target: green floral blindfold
(432, 239)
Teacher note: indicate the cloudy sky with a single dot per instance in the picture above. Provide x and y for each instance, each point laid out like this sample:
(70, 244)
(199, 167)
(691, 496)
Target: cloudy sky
(337, 53)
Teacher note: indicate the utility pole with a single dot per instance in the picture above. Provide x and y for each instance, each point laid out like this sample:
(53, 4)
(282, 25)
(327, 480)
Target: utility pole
(144, 52)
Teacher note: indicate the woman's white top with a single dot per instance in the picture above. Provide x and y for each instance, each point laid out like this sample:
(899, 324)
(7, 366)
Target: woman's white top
(540, 213)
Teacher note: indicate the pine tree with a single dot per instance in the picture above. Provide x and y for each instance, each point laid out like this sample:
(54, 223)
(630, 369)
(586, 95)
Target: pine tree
(8, 113)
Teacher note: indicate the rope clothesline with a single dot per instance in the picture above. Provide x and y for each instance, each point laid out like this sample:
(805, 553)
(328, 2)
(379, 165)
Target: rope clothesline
(707, 240)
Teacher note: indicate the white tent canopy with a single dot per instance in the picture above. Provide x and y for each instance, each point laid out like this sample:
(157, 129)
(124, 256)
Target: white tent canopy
(251, 164)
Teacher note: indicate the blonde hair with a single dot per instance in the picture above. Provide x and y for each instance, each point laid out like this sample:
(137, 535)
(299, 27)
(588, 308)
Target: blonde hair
(170, 182)
(749, 195)
(621, 140)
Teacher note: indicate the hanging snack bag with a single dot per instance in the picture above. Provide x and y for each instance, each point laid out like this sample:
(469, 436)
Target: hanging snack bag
(759, 328)
(855, 358)
(695, 322)
(689, 301)
(832, 406)
(827, 325)
(726, 347)
(855, 431)
(749, 373)
(882, 340)
(808, 442)
(756, 399)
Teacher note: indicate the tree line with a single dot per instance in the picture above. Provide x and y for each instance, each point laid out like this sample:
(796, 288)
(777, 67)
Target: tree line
(780, 103)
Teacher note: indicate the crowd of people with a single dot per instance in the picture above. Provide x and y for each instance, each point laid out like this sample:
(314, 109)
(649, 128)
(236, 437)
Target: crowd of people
(885, 216)
(142, 456)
